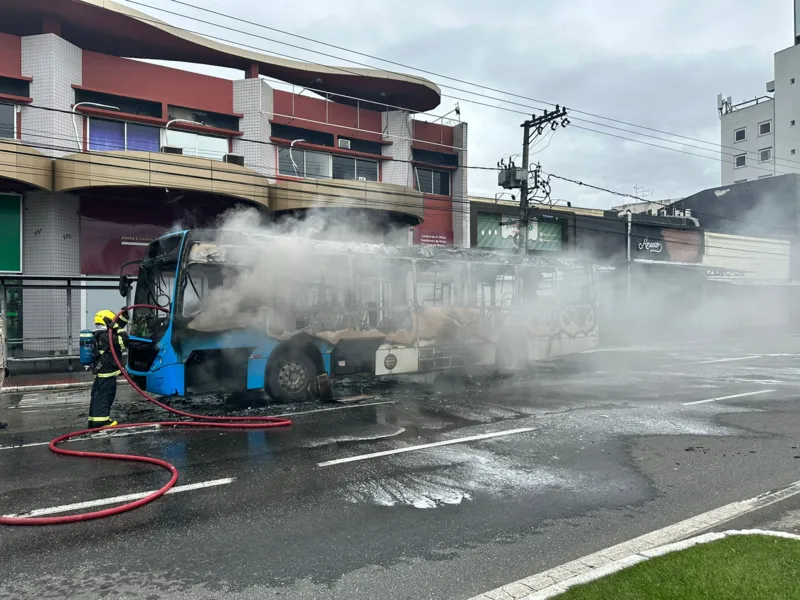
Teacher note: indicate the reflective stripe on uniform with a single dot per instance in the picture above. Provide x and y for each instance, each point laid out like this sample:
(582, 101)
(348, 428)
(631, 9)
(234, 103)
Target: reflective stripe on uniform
(99, 419)
(121, 342)
(105, 375)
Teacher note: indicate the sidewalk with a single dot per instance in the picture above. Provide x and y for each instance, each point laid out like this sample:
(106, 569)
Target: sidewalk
(46, 381)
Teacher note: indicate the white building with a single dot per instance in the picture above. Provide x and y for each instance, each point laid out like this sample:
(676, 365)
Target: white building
(650, 207)
(761, 137)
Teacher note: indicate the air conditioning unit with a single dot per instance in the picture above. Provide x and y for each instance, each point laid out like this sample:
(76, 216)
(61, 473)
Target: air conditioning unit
(662, 212)
(171, 150)
(234, 159)
(362, 178)
(677, 213)
(344, 144)
(688, 213)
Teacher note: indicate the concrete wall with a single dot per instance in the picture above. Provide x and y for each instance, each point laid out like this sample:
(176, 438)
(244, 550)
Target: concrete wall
(50, 246)
(55, 66)
(254, 99)
(397, 129)
(460, 191)
(747, 118)
(787, 109)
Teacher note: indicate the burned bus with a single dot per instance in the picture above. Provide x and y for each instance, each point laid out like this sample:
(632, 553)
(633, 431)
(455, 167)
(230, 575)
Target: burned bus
(286, 314)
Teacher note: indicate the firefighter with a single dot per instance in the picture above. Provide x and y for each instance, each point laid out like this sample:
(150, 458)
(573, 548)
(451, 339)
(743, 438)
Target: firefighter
(105, 369)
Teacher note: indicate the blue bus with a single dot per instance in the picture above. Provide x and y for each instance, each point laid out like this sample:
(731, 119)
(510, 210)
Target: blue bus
(286, 315)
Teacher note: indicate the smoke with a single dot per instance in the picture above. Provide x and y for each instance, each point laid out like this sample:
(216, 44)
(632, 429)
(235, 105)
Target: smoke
(282, 278)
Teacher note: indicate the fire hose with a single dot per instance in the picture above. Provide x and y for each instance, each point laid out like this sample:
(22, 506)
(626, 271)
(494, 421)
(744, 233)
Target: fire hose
(196, 421)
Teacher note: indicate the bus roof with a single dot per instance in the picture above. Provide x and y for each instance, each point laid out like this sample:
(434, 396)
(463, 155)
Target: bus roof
(223, 237)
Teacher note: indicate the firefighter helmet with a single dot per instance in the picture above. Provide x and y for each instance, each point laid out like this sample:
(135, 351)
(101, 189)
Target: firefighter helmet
(104, 317)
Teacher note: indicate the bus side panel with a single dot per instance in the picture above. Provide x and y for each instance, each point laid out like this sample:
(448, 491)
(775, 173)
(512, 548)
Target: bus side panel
(256, 372)
(167, 381)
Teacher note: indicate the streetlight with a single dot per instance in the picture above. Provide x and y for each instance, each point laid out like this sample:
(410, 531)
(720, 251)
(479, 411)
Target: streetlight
(75, 125)
(294, 164)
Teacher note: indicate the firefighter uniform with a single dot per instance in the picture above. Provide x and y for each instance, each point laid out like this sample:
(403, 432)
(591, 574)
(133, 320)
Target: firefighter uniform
(105, 369)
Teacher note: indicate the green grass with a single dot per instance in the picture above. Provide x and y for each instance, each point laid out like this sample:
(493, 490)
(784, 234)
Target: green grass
(740, 567)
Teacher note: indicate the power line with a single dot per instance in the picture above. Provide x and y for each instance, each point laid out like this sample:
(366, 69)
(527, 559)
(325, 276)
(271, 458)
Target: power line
(172, 164)
(738, 151)
(301, 195)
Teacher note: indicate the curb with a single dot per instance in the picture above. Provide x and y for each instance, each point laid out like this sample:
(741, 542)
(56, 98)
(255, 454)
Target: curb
(629, 553)
(633, 559)
(77, 385)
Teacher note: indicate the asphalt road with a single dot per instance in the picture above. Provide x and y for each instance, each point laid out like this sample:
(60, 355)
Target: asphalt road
(609, 448)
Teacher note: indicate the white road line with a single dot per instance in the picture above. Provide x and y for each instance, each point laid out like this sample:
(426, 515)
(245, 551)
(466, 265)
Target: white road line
(472, 438)
(112, 434)
(53, 510)
(538, 586)
(728, 397)
(318, 410)
(724, 360)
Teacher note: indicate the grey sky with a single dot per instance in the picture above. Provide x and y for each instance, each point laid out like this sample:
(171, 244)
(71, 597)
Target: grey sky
(658, 64)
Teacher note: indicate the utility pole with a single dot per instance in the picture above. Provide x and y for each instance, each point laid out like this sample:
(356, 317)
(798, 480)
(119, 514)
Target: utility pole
(511, 177)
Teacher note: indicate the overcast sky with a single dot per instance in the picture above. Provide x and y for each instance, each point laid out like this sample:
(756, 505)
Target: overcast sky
(659, 64)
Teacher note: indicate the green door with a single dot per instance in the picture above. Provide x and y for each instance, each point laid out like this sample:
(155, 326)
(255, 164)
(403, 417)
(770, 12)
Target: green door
(10, 233)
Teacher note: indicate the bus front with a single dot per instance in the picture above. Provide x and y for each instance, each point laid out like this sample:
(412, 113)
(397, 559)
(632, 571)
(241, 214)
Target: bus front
(152, 361)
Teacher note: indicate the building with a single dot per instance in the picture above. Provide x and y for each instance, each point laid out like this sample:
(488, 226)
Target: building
(598, 235)
(650, 207)
(101, 151)
(760, 137)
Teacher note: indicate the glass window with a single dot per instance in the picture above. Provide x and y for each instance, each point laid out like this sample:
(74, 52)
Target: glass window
(739, 135)
(8, 118)
(368, 169)
(318, 165)
(106, 135)
(765, 128)
(142, 138)
(194, 144)
(433, 182)
(740, 160)
(344, 167)
(285, 164)
(214, 148)
(765, 154)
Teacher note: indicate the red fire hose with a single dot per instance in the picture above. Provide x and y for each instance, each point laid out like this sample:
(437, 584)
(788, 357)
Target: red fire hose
(197, 421)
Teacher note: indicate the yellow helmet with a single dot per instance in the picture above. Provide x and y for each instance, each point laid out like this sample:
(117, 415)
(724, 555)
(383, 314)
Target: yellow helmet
(104, 317)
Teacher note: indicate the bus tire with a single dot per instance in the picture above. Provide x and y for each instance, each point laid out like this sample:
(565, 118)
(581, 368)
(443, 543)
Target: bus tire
(289, 376)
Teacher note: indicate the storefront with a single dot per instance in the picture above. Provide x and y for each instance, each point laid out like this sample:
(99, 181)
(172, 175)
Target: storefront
(11, 261)
(497, 227)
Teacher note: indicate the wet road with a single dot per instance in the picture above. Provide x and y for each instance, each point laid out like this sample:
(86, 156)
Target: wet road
(475, 484)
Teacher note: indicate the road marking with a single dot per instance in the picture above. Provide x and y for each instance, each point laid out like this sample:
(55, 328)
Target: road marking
(542, 584)
(728, 397)
(724, 360)
(472, 438)
(93, 436)
(53, 510)
(318, 410)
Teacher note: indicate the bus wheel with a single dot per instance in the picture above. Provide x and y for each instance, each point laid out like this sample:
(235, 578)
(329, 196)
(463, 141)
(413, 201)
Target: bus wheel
(290, 376)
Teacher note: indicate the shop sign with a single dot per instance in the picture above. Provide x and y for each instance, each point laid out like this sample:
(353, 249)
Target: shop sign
(501, 232)
(10, 233)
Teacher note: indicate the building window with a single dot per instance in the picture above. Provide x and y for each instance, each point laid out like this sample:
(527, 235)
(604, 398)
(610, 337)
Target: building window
(791, 81)
(740, 135)
(346, 167)
(118, 135)
(195, 144)
(792, 151)
(432, 182)
(8, 121)
(740, 161)
(765, 128)
(304, 163)
(765, 154)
